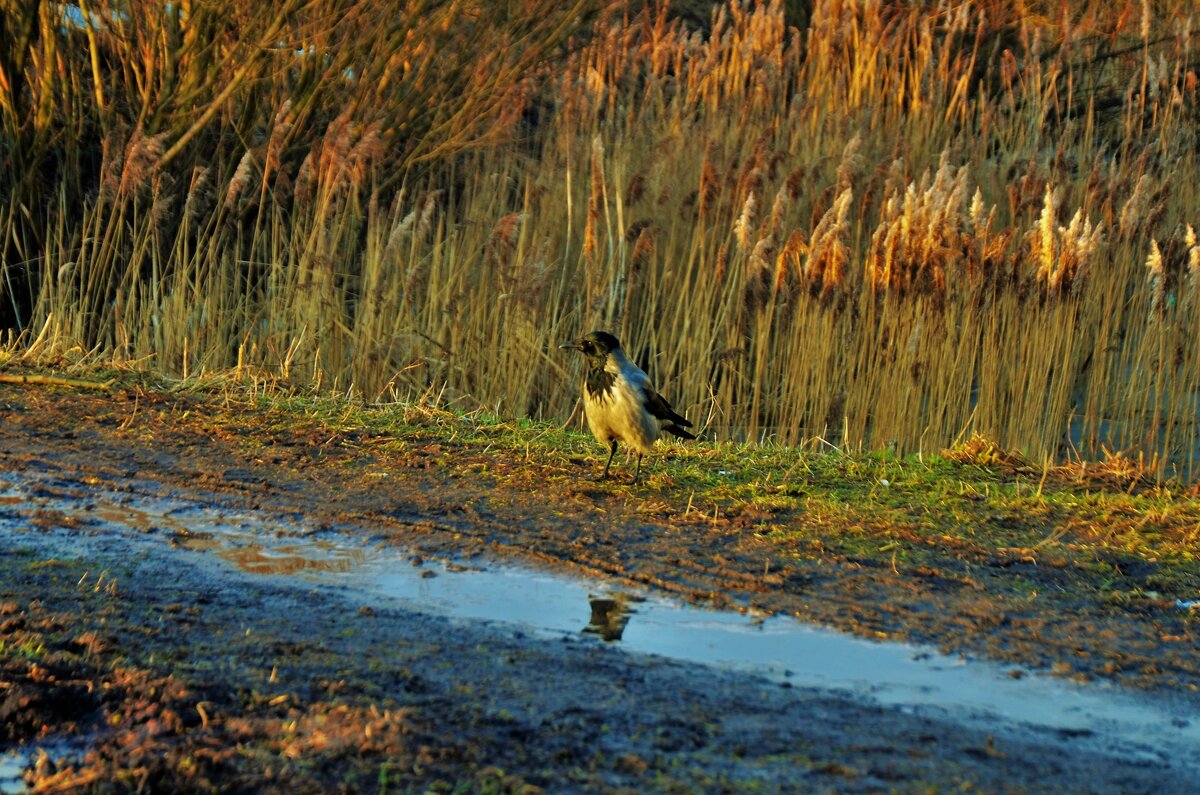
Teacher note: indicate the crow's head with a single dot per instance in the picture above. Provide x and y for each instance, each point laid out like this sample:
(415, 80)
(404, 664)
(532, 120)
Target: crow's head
(595, 346)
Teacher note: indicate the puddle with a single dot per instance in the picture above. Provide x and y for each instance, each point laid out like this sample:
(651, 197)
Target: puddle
(15, 761)
(912, 678)
(12, 771)
(246, 552)
(783, 649)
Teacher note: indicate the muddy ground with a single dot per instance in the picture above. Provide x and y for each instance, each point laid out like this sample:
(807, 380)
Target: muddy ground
(189, 675)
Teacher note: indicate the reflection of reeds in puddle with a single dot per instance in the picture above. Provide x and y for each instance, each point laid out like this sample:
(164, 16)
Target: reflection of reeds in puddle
(610, 614)
(250, 555)
(24, 767)
(12, 772)
(251, 547)
(127, 515)
(292, 558)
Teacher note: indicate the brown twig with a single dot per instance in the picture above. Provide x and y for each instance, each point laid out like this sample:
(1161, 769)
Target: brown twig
(55, 380)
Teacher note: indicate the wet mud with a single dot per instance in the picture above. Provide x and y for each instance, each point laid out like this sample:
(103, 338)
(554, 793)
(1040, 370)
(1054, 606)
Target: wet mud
(185, 667)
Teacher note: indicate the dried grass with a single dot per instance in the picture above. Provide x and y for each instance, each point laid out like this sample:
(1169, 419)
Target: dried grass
(880, 230)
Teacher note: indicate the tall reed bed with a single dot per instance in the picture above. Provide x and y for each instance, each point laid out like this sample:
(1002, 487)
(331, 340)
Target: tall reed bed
(892, 226)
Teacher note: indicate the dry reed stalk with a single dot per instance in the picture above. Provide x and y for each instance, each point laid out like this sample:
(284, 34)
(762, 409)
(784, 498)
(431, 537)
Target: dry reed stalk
(594, 205)
(1193, 255)
(240, 181)
(1062, 253)
(1155, 277)
(743, 227)
(891, 292)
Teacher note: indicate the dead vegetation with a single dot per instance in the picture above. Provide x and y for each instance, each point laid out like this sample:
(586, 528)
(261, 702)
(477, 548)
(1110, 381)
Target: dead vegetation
(870, 223)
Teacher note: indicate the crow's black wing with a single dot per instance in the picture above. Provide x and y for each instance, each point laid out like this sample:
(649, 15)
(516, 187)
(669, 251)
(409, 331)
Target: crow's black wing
(657, 405)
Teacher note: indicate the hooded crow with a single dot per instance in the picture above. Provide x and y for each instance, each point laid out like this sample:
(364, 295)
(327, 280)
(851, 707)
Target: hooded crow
(620, 403)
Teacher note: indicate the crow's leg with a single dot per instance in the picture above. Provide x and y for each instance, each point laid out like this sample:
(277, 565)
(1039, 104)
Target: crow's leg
(612, 453)
(637, 471)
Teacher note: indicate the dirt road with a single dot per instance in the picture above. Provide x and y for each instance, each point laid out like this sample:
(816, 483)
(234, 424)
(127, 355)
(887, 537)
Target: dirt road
(171, 668)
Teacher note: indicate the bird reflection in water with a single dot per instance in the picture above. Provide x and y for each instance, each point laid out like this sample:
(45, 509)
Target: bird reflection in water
(610, 614)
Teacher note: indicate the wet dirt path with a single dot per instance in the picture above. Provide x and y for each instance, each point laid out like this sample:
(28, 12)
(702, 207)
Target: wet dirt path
(563, 711)
(643, 621)
(482, 690)
(447, 498)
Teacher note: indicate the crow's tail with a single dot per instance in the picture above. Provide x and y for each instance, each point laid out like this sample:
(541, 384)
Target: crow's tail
(680, 432)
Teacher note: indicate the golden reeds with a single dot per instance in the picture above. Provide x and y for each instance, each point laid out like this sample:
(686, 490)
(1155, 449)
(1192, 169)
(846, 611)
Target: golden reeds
(881, 230)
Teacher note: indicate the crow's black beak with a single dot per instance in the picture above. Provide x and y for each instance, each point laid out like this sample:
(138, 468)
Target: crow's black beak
(570, 346)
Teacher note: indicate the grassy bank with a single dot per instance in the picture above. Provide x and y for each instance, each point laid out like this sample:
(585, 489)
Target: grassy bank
(975, 502)
(1086, 569)
(1117, 533)
(861, 222)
